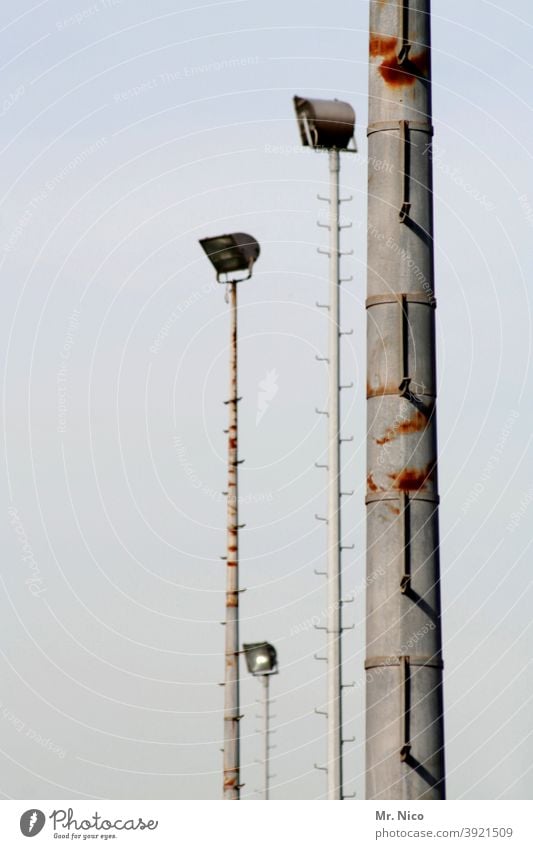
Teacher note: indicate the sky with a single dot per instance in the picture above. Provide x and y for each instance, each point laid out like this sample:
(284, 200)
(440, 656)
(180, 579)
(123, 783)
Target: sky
(127, 133)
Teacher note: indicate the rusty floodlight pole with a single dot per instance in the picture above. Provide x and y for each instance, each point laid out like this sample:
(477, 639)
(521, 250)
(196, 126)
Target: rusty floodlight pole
(404, 713)
(228, 254)
(328, 125)
(231, 652)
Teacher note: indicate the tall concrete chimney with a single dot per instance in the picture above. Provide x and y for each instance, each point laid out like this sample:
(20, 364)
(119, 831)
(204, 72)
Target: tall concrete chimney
(404, 713)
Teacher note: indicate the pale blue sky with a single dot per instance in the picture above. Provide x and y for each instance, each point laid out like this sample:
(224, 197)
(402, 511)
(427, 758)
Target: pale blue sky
(128, 132)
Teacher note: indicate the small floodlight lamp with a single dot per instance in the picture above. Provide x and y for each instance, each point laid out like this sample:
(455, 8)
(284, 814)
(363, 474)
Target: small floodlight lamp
(261, 658)
(328, 124)
(230, 253)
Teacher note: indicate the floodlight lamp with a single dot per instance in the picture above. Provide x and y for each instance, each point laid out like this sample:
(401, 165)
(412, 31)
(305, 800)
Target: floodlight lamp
(325, 124)
(261, 658)
(234, 252)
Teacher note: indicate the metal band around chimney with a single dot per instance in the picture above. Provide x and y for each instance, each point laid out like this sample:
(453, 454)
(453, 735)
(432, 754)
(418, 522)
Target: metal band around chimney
(414, 126)
(398, 297)
(395, 495)
(396, 660)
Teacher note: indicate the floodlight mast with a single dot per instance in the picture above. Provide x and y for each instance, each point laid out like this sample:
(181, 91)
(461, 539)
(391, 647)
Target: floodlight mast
(334, 619)
(265, 680)
(232, 784)
(229, 254)
(404, 716)
(329, 125)
(264, 671)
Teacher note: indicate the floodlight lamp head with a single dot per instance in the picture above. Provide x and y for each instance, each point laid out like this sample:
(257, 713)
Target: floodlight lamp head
(233, 252)
(261, 658)
(325, 124)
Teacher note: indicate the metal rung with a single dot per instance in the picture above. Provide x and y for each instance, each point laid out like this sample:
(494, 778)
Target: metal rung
(404, 390)
(347, 547)
(321, 768)
(322, 251)
(320, 518)
(324, 226)
(321, 412)
(233, 400)
(321, 712)
(319, 573)
(346, 439)
(322, 306)
(346, 386)
(346, 200)
(405, 47)
(321, 466)
(404, 144)
(346, 279)
(346, 226)
(326, 200)
(348, 740)
(346, 332)
(404, 343)
(405, 518)
(405, 710)
(317, 657)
